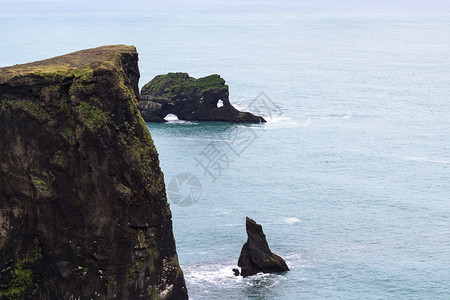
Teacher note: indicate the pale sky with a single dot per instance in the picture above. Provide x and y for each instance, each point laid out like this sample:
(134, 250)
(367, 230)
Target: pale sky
(301, 6)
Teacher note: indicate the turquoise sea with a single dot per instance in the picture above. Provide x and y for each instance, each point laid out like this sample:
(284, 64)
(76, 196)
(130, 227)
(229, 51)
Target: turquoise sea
(350, 176)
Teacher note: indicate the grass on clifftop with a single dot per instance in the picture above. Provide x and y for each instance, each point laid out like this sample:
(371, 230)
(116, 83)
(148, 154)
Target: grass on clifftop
(76, 64)
(176, 84)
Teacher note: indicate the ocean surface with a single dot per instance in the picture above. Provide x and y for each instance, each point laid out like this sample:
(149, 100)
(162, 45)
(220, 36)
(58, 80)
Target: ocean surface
(350, 176)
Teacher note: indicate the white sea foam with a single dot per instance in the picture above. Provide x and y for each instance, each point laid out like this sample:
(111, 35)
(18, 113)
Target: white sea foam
(278, 119)
(291, 220)
(246, 108)
(295, 261)
(171, 118)
(214, 275)
(278, 122)
(347, 116)
(336, 116)
(241, 107)
(180, 122)
(205, 140)
(425, 159)
(211, 274)
(232, 225)
(218, 212)
(351, 150)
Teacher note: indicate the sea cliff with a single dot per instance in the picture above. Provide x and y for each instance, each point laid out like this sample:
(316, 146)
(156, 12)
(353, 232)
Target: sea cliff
(83, 209)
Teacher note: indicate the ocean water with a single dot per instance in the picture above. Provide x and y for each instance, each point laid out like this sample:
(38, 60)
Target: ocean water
(350, 176)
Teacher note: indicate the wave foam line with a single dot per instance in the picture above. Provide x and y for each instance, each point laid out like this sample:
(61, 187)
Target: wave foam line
(425, 159)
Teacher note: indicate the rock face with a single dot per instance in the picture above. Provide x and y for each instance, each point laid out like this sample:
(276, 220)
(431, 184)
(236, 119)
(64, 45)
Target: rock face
(255, 254)
(83, 209)
(190, 99)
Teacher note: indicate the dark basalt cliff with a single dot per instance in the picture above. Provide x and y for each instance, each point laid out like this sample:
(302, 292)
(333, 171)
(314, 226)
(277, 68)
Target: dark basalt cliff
(83, 209)
(190, 99)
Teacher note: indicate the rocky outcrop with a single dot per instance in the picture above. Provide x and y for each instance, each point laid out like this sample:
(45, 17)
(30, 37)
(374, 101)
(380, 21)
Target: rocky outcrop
(255, 254)
(203, 99)
(83, 209)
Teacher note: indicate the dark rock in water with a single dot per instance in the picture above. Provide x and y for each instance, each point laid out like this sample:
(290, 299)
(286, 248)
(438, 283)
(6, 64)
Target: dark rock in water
(236, 272)
(203, 99)
(83, 209)
(255, 254)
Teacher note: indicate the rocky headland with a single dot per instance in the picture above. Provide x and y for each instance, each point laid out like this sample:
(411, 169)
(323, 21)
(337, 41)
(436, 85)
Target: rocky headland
(83, 209)
(203, 99)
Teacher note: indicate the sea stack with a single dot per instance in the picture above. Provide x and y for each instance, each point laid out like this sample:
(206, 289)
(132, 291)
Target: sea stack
(255, 254)
(203, 99)
(83, 209)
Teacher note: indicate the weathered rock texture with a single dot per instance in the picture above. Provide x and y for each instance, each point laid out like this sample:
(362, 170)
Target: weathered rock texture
(255, 254)
(190, 99)
(83, 210)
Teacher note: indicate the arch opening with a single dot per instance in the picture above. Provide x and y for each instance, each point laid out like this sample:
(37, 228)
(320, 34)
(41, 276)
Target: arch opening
(171, 118)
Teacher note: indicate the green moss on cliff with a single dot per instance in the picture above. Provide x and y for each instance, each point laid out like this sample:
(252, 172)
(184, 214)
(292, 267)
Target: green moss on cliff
(127, 93)
(141, 240)
(174, 263)
(134, 270)
(203, 84)
(178, 84)
(162, 85)
(22, 274)
(84, 74)
(153, 293)
(92, 171)
(22, 278)
(41, 185)
(111, 281)
(79, 64)
(92, 116)
(69, 133)
(31, 108)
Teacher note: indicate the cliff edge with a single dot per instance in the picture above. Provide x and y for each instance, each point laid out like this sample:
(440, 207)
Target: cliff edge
(83, 209)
